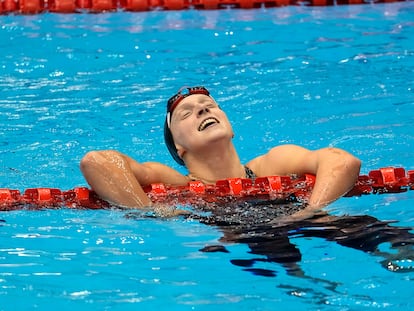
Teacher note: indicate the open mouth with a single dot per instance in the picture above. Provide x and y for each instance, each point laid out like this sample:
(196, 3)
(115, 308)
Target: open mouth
(207, 123)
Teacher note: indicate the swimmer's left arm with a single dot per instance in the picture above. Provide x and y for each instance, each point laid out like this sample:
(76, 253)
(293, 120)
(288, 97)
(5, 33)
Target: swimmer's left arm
(336, 173)
(336, 170)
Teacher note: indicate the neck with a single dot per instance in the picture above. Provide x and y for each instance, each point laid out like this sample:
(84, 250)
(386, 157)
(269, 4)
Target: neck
(214, 164)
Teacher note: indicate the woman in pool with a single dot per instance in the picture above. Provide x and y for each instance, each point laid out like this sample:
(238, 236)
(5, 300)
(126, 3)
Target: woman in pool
(199, 136)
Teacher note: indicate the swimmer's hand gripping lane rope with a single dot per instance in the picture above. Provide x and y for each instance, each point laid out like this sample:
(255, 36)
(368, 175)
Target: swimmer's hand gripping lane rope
(383, 180)
(97, 6)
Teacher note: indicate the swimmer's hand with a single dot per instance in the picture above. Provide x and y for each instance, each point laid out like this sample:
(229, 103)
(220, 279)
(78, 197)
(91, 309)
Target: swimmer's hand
(167, 211)
(301, 215)
(157, 211)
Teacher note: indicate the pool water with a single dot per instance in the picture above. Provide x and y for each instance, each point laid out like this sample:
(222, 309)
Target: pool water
(330, 76)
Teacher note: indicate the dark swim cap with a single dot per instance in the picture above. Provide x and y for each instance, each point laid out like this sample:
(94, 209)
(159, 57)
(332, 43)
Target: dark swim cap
(171, 105)
(169, 141)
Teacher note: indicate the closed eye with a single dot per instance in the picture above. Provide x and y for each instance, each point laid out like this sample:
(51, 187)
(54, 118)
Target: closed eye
(185, 114)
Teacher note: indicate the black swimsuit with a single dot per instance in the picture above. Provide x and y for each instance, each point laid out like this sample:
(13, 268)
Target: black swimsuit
(249, 173)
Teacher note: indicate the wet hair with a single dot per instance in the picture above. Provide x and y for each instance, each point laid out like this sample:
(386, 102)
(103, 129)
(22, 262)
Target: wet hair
(171, 105)
(169, 141)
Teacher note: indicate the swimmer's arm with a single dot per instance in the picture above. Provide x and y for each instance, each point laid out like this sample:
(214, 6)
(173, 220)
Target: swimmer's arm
(336, 174)
(336, 170)
(119, 179)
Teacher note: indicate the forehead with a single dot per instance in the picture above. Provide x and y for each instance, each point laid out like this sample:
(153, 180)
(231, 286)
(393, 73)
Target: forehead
(193, 100)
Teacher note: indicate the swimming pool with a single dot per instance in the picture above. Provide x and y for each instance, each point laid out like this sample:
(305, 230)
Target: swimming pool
(339, 76)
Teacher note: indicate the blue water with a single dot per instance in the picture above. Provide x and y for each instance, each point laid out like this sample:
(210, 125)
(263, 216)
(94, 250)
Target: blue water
(316, 77)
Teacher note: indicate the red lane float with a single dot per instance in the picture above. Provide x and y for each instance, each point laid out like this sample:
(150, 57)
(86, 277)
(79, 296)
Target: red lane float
(97, 6)
(38, 198)
(383, 180)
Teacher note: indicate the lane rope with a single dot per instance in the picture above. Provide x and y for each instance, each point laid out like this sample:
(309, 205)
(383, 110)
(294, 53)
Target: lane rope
(100, 6)
(380, 181)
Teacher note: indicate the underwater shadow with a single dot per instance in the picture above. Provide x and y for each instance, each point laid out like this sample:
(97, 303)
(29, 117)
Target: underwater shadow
(272, 241)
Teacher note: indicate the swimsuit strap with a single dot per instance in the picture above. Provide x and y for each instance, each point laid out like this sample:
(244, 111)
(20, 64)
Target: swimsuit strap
(249, 173)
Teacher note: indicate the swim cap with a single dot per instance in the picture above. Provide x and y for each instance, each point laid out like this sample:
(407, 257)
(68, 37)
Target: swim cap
(171, 105)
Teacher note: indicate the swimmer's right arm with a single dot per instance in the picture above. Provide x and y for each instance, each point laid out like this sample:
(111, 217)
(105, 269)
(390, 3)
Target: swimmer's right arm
(119, 179)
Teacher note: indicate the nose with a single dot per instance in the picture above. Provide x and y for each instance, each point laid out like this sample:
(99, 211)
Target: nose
(203, 110)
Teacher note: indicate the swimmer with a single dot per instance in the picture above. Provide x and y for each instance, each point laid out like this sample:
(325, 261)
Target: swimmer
(199, 136)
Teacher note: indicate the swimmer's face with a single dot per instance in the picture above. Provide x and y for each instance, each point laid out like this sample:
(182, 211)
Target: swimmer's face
(197, 121)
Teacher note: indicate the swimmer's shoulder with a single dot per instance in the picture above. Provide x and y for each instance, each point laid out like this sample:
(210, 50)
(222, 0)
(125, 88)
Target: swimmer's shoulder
(156, 172)
(274, 161)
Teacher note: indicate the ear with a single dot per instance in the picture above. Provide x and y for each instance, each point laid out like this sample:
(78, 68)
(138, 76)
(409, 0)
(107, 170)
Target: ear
(180, 150)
